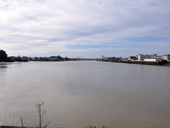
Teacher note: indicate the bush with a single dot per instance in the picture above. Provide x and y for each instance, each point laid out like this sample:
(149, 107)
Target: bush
(164, 62)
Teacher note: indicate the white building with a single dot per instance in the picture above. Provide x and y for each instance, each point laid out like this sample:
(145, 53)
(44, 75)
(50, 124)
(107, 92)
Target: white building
(166, 57)
(142, 57)
(153, 60)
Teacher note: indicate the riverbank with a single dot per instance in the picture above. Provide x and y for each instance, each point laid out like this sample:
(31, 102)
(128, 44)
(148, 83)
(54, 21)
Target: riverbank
(168, 64)
(14, 127)
(142, 63)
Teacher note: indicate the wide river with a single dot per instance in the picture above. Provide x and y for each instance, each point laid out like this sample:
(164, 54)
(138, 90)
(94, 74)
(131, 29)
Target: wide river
(76, 94)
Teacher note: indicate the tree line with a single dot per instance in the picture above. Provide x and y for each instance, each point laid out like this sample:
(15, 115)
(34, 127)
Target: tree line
(4, 58)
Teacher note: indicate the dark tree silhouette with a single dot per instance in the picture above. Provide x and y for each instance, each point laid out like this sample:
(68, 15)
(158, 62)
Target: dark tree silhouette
(3, 55)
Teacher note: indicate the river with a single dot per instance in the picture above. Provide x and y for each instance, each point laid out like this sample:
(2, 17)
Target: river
(76, 94)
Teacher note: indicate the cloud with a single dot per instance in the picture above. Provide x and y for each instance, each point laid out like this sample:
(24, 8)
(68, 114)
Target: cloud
(39, 27)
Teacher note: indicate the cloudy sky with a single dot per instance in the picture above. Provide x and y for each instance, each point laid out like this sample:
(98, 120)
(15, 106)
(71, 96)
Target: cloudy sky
(84, 28)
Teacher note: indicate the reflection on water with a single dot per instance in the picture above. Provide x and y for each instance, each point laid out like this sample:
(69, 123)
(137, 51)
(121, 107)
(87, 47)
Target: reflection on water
(77, 94)
(3, 67)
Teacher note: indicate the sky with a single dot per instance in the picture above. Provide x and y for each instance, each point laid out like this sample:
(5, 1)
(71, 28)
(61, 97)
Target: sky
(84, 28)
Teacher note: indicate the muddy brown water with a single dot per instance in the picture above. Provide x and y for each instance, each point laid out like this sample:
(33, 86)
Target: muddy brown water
(76, 94)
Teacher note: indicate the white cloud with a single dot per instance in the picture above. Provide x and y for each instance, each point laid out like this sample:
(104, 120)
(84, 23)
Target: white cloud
(46, 26)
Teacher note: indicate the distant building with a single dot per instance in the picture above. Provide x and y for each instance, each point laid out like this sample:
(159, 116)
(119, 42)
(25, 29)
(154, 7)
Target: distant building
(155, 55)
(124, 59)
(141, 57)
(153, 60)
(105, 58)
(166, 57)
(132, 58)
(35, 59)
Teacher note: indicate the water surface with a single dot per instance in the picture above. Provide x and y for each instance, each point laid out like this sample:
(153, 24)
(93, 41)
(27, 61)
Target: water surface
(77, 94)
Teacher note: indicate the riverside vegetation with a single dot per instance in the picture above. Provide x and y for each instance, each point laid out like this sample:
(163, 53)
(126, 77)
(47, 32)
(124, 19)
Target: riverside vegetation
(40, 124)
(4, 58)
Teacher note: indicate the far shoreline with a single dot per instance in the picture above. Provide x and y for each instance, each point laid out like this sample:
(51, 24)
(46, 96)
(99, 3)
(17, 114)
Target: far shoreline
(140, 63)
(123, 62)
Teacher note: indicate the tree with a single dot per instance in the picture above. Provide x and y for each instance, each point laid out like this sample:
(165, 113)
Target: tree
(113, 59)
(164, 62)
(3, 55)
